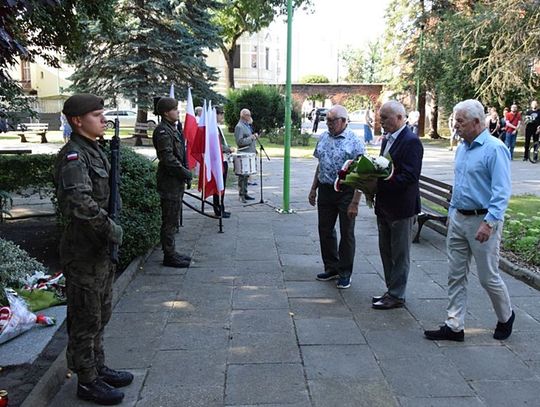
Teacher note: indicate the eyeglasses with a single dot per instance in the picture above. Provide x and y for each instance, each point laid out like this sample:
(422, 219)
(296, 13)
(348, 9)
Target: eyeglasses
(328, 120)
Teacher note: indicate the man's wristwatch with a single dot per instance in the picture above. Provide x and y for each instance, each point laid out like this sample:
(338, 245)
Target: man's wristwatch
(490, 224)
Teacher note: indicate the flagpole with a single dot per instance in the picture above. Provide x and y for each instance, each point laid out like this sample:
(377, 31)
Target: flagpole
(288, 105)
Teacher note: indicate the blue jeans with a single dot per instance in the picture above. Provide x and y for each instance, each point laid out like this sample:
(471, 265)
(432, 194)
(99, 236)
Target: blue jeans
(510, 142)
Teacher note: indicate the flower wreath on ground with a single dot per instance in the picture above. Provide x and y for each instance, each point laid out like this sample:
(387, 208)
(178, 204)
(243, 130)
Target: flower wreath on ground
(363, 173)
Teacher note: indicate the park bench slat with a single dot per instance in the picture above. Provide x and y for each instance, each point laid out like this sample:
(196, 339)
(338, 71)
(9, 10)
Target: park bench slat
(437, 192)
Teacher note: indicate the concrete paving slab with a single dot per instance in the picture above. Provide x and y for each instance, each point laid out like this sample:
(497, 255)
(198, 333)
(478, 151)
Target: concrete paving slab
(441, 402)
(372, 319)
(158, 395)
(258, 297)
(508, 393)
(351, 393)
(391, 344)
(310, 289)
(328, 331)
(340, 361)
(261, 321)
(146, 325)
(141, 302)
(279, 347)
(134, 352)
(194, 336)
(325, 307)
(265, 384)
(430, 376)
(476, 363)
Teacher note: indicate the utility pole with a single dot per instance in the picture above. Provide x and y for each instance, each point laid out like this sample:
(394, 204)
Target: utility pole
(288, 106)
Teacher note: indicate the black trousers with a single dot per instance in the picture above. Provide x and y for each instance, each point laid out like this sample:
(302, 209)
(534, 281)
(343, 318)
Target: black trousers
(528, 135)
(220, 206)
(331, 205)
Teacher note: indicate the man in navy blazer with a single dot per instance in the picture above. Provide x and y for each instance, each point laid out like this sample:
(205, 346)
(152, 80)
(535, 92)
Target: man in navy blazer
(397, 203)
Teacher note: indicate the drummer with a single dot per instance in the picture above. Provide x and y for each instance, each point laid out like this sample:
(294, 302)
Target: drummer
(246, 142)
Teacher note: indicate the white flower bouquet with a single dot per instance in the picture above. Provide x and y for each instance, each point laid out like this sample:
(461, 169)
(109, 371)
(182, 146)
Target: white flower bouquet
(363, 173)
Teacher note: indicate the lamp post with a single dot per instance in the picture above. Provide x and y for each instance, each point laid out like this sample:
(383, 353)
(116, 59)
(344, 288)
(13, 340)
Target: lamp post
(288, 106)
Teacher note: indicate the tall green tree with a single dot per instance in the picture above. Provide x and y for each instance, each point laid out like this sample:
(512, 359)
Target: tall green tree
(363, 65)
(155, 43)
(238, 17)
(44, 28)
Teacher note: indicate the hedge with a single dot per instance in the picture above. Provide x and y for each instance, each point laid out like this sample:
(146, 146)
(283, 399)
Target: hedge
(140, 215)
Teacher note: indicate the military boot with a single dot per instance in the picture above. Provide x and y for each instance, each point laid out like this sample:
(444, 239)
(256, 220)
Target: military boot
(175, 261)
(115, 378)
(99, 392)
(182, 257)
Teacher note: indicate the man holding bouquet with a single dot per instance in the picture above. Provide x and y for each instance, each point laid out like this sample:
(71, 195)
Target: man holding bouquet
(397, 202)
(335, 147)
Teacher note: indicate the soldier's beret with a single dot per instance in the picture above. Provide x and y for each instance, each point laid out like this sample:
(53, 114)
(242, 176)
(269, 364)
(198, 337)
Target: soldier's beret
(82, 103)
(166, 105)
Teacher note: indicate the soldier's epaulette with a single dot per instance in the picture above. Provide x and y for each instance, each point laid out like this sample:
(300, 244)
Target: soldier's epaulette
(72, 155)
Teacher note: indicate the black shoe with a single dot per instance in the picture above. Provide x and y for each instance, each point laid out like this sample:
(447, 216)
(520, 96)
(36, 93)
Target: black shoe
(115, 378)
(388, 302)
(242, 199)
(327, 276)
(249, 198)
(444, 333)
(252, 184)
(226, 214)
(525, 158)
(184, 257)
(504, 329)
(175, 262)
(100, 393)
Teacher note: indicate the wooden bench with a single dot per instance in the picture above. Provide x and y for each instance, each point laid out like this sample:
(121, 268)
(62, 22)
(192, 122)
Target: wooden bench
(141, 131)
(40, 129)
(439, 195)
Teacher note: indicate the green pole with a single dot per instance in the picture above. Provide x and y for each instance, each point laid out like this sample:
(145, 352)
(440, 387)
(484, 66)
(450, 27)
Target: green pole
(419, 67)
(288, 105)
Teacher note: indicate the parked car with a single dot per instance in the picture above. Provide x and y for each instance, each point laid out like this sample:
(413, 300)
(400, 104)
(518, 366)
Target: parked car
(358, 116)
(322, 111)
(127, 118)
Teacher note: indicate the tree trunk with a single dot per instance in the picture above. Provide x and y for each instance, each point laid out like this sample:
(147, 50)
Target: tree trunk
(229, 59)
(434, 132)
(422, 112)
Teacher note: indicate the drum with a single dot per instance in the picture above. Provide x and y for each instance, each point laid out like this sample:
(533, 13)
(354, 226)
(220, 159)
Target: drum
(244, 163)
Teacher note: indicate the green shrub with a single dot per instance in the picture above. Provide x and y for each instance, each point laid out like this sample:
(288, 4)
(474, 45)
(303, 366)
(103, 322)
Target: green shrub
(15, 265)
(298, 138)
(521, 235)
(267, 106)
(19, 172)
(141, 214)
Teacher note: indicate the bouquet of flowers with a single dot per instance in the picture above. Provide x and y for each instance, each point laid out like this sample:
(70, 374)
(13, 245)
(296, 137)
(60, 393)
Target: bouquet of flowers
(363, 173)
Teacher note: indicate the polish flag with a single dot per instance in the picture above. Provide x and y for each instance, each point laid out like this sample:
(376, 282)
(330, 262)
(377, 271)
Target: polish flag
(190, 130)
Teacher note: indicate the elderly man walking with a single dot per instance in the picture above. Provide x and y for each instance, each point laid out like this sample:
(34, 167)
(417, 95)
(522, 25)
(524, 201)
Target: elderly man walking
(336, 146)
(475, 221)
(396, 204)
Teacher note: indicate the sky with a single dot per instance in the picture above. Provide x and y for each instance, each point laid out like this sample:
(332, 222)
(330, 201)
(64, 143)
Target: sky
(335, 24)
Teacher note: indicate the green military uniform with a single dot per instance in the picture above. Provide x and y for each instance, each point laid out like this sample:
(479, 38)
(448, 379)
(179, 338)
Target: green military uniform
(82, 188)
(171, 179)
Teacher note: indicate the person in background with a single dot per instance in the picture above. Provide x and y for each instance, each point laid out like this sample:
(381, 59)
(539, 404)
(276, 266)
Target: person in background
(198, 113)
(493, 122)
(532, 129)
(454, 137)
(502, 126)
(368, 128)
(513, 121)
(65, 127)
(246, 142)
(482, 188)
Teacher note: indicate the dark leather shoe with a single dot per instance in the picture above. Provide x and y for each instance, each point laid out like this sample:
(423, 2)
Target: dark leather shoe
(242, 199)
(115, 378)
(377, 298)
(184, 257)
(175, 262)
(249, 198)
(504, 329)
(444, 333)
(226, 214)
(388, 302)
(99, 392)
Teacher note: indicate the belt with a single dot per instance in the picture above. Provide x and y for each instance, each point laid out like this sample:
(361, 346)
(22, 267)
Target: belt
(470, 212)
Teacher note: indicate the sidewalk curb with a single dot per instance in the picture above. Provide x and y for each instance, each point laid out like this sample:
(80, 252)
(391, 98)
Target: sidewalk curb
(49, 384)
(527, 276)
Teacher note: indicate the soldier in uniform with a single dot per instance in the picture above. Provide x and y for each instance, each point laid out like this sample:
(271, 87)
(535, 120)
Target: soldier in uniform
(172, 175)
(81, 177)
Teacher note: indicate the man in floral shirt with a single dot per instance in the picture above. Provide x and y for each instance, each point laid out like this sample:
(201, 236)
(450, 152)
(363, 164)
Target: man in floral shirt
(336, 145)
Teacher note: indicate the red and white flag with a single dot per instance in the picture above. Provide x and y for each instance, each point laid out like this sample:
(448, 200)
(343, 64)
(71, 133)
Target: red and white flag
(190, 130)
(213, 157)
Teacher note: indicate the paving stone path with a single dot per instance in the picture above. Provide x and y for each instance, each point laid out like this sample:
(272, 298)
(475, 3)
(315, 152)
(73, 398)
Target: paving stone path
(248, 325)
